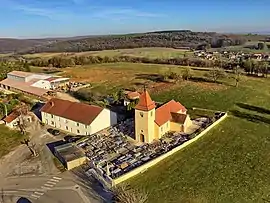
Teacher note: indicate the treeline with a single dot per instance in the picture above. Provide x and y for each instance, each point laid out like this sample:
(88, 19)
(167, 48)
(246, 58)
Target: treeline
(63, 62)
(172, 39)
(8, 66)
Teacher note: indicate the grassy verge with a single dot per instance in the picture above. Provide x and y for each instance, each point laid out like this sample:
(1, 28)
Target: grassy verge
(230, 163)
(9, 140)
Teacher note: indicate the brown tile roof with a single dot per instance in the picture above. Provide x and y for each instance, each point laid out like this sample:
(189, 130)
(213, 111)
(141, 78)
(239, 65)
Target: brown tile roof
(133, 95)
(25, 87)
(20, 73)
(79, 112)
(11, 117)
(163, 113)
(50, 79)
(145, 102)
(178, 118)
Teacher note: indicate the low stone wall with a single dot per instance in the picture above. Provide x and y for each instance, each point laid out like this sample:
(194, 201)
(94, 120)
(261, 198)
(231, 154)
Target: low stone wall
(144, 167)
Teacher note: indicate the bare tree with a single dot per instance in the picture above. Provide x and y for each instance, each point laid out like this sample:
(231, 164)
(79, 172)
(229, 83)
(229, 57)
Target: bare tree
(237, 73)
(215, 74)
(30, 146)
(22, 123)
(125, 194)
(186, 74)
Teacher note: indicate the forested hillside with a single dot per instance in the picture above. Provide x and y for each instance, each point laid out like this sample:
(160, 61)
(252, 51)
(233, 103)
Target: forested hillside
(173, 39)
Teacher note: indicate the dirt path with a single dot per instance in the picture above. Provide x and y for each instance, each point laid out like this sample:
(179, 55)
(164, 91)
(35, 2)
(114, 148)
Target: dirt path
(66, 96)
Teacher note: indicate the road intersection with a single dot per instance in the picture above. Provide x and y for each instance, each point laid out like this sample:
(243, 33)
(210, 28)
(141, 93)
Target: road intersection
(38, 180)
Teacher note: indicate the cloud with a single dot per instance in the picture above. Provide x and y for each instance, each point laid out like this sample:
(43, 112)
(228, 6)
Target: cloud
(124, 13)
(87, 11)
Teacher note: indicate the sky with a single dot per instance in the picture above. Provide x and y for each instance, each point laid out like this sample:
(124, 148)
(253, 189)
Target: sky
(55, 18)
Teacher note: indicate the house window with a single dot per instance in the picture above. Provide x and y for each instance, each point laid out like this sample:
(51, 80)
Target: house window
(151, 113)
(78, 124)
(52, 123)
(161, 129)
(66, 121)
(142, 131)
(78, 131)
(52, 116)
(59, 118)
(67, 127)
(141, 114)
(85, 126)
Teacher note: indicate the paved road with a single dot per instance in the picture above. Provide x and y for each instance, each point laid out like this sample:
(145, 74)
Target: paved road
(47, 189)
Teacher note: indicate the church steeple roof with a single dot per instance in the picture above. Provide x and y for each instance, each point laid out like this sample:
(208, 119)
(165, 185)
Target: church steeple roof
(145, 102)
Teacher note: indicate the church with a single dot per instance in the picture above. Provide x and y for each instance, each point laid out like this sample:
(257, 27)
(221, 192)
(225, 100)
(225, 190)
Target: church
(152, 123)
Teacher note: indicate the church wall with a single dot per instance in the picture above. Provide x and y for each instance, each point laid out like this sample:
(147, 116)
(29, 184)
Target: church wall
(145, 125)
(187, 123)
(164, 129)
(177, 127)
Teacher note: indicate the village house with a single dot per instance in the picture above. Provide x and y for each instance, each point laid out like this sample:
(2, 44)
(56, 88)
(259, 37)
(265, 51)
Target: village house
(152, 123)
(77, 118)
(13, 119)
(131, 96)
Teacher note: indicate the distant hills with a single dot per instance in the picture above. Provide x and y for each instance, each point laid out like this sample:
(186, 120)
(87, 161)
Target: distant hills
(171, 38)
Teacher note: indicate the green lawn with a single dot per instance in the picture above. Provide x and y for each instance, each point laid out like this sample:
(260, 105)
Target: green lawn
(229, 164)
(9, 139)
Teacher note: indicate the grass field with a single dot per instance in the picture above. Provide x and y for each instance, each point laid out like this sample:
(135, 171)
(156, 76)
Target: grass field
(137, 52)
(9, 140)
(229, 164)
(106, 78)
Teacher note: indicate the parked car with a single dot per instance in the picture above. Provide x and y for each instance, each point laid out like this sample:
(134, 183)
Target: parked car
(50, 130)
(70, 138)
(56, 132)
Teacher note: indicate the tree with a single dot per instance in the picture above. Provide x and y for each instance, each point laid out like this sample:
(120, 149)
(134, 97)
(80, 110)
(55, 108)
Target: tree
(248, 66)
(215, 74)
(125, 194)
(264, 68)
(30, 146)
(261, 46)
(22, 123)
(186, 74)
(121, 94)
(237, 72)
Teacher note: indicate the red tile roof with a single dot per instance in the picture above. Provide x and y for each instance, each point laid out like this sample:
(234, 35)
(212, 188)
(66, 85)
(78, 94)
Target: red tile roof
(133, 95)
(11, 117)
(78, 112)
(163, 113)
(25, 87)
(50, 79)
(145, 102)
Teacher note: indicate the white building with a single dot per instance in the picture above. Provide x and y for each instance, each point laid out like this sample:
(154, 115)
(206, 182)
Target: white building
(77, 118)
(43, 81)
